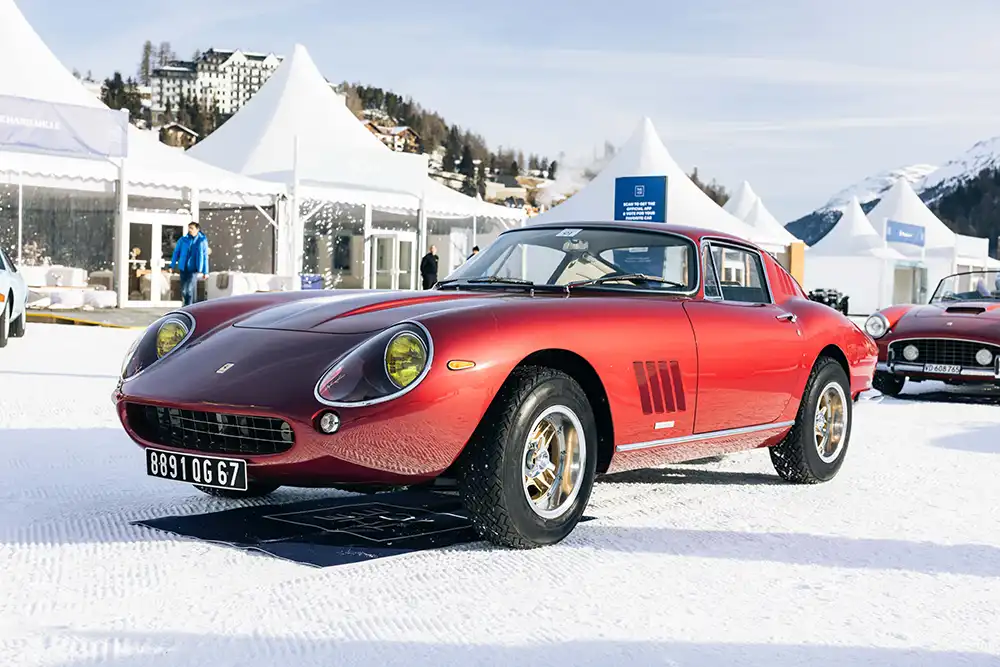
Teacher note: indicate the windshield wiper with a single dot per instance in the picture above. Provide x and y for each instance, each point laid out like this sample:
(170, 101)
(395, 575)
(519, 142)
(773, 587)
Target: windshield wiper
(624, 276)
(487, 280)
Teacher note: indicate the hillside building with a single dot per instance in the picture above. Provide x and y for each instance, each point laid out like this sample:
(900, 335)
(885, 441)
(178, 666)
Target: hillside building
(223, 78)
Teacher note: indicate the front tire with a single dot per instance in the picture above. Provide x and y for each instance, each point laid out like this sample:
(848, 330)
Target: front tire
(5, 324)
(254, 490)
(17, 326)
(814, 450)
(889, 384)
(526, 475)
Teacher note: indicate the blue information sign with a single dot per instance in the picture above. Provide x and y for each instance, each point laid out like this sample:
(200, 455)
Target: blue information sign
(901, 232)
(78, 131)
(641, 198)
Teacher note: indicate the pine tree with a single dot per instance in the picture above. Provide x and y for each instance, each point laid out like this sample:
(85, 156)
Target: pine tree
(552, 169)
(146, 63)
(117, 93)
(164, 54)
(452, 149)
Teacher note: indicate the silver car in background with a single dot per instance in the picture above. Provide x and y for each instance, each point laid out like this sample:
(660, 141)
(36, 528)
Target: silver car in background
(13, 300)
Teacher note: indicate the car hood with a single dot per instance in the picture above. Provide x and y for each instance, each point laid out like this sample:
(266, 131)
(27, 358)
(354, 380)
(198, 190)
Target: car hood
(360, 311)
(968, 318)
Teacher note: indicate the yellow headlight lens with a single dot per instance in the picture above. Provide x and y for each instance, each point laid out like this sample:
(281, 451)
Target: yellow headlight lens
(169, 335)
(405, 359)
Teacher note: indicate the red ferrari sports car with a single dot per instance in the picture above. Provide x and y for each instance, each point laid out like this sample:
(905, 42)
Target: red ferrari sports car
(955, 338)
(556, 353)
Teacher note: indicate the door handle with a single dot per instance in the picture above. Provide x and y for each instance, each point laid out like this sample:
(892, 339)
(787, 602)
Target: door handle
(789, 317)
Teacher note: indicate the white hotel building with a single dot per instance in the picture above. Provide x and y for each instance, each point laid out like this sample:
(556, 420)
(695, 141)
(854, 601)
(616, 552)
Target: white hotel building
(230, 78)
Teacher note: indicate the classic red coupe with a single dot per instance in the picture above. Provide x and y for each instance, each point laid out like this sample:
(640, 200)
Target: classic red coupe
(557, 353)
(955, 338)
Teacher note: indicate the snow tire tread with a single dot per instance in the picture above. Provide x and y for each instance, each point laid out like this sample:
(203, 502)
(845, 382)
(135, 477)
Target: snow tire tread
(480, 472)
(788, 456)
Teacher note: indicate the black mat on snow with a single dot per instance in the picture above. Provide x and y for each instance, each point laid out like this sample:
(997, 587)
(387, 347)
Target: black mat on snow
(334, 531)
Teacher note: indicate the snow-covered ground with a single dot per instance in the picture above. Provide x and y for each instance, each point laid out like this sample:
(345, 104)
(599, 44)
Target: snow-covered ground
(895, 562)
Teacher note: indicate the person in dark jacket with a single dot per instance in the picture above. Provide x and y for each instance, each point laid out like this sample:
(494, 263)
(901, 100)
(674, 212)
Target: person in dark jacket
(191, 259)
(429, 268)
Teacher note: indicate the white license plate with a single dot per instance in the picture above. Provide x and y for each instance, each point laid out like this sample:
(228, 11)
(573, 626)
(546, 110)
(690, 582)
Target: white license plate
(216, 472)
(942, 368)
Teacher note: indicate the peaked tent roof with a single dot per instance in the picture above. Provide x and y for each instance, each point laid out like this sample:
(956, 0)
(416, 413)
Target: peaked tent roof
(40, 76)
(760, 218)
(901, 203)
(742, 201)
(337, 157)
(853, 236)
(645, 155)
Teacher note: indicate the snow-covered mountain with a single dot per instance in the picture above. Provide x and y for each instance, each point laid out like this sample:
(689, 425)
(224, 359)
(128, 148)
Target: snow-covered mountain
(928, 181)
(872, 187)
(984, 155)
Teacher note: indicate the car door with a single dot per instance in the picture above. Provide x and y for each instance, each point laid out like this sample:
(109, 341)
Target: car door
(749, 349)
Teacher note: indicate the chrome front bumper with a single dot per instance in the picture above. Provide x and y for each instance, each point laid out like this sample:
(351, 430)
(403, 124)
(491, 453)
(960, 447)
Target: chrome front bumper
(902, 368)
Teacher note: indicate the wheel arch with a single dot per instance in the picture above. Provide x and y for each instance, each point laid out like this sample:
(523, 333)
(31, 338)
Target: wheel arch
(833, 351)
(584, 373)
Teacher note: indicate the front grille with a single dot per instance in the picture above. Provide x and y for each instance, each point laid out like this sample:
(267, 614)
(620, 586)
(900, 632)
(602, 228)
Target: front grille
(210, 432)
(942, 351)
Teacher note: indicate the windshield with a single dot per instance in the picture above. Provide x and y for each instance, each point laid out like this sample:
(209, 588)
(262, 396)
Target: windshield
(562, 256)
(972, 286)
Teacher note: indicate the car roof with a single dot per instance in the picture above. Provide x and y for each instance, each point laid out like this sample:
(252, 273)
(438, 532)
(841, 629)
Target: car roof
(693, 233)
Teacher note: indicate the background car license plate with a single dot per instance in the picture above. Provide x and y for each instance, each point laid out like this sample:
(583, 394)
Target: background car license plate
(217, 473)
(942, 368)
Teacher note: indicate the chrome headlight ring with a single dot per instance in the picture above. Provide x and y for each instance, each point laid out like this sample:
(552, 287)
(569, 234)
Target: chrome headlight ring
(876, 325)
(142, 352)
(372, 352)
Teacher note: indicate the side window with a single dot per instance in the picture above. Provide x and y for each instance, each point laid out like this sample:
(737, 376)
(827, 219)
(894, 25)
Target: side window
(741, 274)
(5, 263)
(712, 290)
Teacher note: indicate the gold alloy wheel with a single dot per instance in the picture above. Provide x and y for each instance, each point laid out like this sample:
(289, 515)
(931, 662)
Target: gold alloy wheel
(830, 423)
(553, 462)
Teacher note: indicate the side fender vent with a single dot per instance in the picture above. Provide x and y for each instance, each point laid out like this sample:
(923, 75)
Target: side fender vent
(661, 389)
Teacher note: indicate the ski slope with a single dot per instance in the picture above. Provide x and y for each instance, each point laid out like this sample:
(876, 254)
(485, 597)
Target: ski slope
(895, 562)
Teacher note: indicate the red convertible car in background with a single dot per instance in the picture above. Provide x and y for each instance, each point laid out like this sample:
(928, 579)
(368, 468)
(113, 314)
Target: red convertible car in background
(556, 353)
(955, 338)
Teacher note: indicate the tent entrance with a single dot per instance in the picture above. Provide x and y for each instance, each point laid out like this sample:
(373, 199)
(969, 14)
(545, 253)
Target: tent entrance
(393, 260)
(909, 284)
(151, 241)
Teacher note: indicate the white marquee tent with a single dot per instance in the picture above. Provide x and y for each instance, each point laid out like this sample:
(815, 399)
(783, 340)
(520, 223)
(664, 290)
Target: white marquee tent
(944, 252)
(853, 259)
(296, 131)
(747, 205)
(152, 169)
(645, 155)
(742, 201)
(34, 75)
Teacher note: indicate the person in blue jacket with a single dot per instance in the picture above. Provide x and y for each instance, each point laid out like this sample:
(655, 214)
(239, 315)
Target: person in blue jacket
(191, 259)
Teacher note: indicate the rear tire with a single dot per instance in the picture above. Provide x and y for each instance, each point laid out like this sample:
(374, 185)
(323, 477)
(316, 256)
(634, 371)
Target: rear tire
(805, 456)
(889, 384)
(254, 490)
(526, 475)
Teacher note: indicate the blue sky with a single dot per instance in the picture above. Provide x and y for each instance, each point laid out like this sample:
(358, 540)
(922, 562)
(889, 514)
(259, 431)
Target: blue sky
(799, 100)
